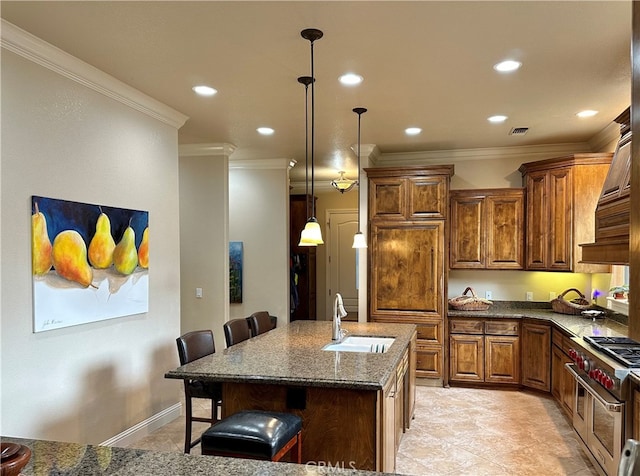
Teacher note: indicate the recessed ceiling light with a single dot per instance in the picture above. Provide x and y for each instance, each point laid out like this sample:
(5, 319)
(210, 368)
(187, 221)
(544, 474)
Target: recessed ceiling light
(496, 119)
(412, 131)
(351, 79)
(507, 66)
(204, 90)
(265, 131)
(587, 113)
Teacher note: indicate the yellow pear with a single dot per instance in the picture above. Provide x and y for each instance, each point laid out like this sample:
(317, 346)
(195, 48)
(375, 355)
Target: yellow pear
(40, 244)
(102, 244)
(125, 256)
(70, 258)
(143, 250)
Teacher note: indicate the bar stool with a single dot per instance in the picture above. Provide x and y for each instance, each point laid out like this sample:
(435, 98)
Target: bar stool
(254, 434)
(236, 331)
(260, 323)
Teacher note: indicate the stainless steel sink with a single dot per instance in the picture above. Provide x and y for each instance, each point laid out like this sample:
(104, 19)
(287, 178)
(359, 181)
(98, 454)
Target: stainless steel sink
(369, 344)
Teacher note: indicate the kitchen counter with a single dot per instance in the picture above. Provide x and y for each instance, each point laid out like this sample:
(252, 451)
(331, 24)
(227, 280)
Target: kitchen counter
(576, 325)
(293, 355)
(67, 459)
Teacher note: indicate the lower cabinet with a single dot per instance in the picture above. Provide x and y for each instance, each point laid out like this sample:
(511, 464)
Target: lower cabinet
(484, 351)
(562, 382)
(536, 355)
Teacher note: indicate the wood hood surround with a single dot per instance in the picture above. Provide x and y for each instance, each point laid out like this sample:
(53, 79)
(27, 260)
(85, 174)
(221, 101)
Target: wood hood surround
(613, 211)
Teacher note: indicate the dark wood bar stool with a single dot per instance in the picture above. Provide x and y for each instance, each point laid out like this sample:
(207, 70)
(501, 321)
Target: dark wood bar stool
(255, 434)
(192, 346)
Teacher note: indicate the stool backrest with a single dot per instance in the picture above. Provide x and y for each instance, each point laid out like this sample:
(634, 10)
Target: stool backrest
(260, 323)
(236, 330)
(194, 345)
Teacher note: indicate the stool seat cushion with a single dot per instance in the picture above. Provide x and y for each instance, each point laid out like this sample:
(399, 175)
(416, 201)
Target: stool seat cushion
(251, 433)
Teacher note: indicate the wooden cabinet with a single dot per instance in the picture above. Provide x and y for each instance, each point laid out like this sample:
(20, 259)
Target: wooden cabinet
(408, 209)
(302, 262)
(536, 355)
(487, 229)
(484, 351)
(388, 430)
(410, 383)
(561, 198)
(562, 381)
(636, 414)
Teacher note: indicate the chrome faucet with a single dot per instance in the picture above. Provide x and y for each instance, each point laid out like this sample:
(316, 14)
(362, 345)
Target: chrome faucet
(338, 313)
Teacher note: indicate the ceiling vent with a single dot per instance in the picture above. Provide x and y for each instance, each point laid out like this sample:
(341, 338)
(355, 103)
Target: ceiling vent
(518, 131)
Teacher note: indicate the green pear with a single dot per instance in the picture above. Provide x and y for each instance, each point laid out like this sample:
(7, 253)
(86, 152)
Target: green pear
(102, 244)
(40, 244)
(143, 249)
(125, 255)
(69, 255)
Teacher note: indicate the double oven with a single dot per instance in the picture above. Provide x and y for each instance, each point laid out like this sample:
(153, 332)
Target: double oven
(601, 406)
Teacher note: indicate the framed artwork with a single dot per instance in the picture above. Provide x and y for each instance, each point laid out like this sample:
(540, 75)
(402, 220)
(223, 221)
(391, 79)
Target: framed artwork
(89, 262)
(235, 272)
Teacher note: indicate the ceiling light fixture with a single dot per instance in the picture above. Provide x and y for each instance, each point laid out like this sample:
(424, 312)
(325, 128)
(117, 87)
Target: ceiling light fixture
(351, 79)
(507, 66)
(497, 119)
(312, 234)
(265, 131)
(343, 184)
(412, 131)
(587, 113)
(306, 80)
(204, 90)
(359, 240)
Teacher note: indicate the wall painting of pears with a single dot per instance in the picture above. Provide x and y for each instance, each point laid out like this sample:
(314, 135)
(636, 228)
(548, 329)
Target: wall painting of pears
(89, 262)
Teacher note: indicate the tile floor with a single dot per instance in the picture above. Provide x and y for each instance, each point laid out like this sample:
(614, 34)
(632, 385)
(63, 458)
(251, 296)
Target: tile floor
(463, 431)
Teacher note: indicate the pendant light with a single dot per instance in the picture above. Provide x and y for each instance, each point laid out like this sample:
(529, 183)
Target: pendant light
(306, 80)
(312, 234)
(359, 240)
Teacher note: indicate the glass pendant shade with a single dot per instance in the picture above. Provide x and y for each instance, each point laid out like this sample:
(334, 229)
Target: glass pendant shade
(343, 184)
(359, 241)
(311, 235)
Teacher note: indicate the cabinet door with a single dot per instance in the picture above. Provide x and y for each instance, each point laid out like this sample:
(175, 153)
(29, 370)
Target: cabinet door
(505, 230)
(428, 197)
(388, 430)
(537, 220)
(568, 387)
(636, 414)
(502, 359)
(560, 220)
(467, 238)
(387, 198)
(536, 350)
(429, 361)
(407, 269)
(466, 358)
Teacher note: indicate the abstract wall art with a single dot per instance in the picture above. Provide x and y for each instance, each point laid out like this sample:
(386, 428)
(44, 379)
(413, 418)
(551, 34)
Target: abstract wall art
(235, 272)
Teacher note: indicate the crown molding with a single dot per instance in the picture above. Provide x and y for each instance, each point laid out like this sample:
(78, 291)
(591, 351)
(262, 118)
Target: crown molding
(607, 136)
(526, 153)
(273, 164)
(206, 150)
(38, 51)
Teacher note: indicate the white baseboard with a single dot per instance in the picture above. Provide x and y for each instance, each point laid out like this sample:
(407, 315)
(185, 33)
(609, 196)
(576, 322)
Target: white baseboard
(144, 428)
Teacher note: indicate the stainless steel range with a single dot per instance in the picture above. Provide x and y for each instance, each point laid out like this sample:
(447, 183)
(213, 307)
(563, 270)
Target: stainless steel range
(601, 367)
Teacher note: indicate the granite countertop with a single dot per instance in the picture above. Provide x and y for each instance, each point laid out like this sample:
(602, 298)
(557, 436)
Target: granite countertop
(72, 459)
(293, 355)
(576, 325)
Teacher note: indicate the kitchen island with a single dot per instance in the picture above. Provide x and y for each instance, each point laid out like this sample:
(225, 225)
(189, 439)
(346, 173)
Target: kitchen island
(354, 405)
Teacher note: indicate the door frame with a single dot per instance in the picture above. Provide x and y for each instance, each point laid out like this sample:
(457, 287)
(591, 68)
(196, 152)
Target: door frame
(329, 297)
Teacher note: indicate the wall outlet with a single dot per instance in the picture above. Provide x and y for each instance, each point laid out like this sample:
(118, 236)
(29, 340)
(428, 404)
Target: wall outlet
(529, 296)
(488, 295)
(199, 293)
(552, 295)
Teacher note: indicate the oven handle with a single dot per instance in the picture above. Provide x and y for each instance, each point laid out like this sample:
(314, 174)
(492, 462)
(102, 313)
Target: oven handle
(614, 406)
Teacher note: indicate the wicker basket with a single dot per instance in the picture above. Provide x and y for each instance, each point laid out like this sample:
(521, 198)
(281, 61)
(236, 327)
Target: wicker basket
(469, 303)
(575, 306)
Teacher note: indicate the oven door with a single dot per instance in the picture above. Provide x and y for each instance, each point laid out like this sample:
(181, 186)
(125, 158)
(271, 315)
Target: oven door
(598, 418)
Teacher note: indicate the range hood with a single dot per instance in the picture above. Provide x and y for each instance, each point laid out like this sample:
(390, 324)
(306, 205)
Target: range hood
(612, 213)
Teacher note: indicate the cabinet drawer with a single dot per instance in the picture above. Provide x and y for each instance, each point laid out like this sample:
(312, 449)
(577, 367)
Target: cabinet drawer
(429, 361)
(561, 340)
(466, 326)
(502, 328)
(430, 332)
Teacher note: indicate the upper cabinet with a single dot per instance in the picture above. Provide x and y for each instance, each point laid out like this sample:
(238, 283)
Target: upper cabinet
(487, 229)
(562, 194)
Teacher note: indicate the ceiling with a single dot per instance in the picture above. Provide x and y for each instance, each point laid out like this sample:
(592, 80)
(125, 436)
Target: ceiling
(424, 63)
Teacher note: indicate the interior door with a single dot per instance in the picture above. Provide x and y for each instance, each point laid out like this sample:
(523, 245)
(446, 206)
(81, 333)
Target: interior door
(341, 259)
